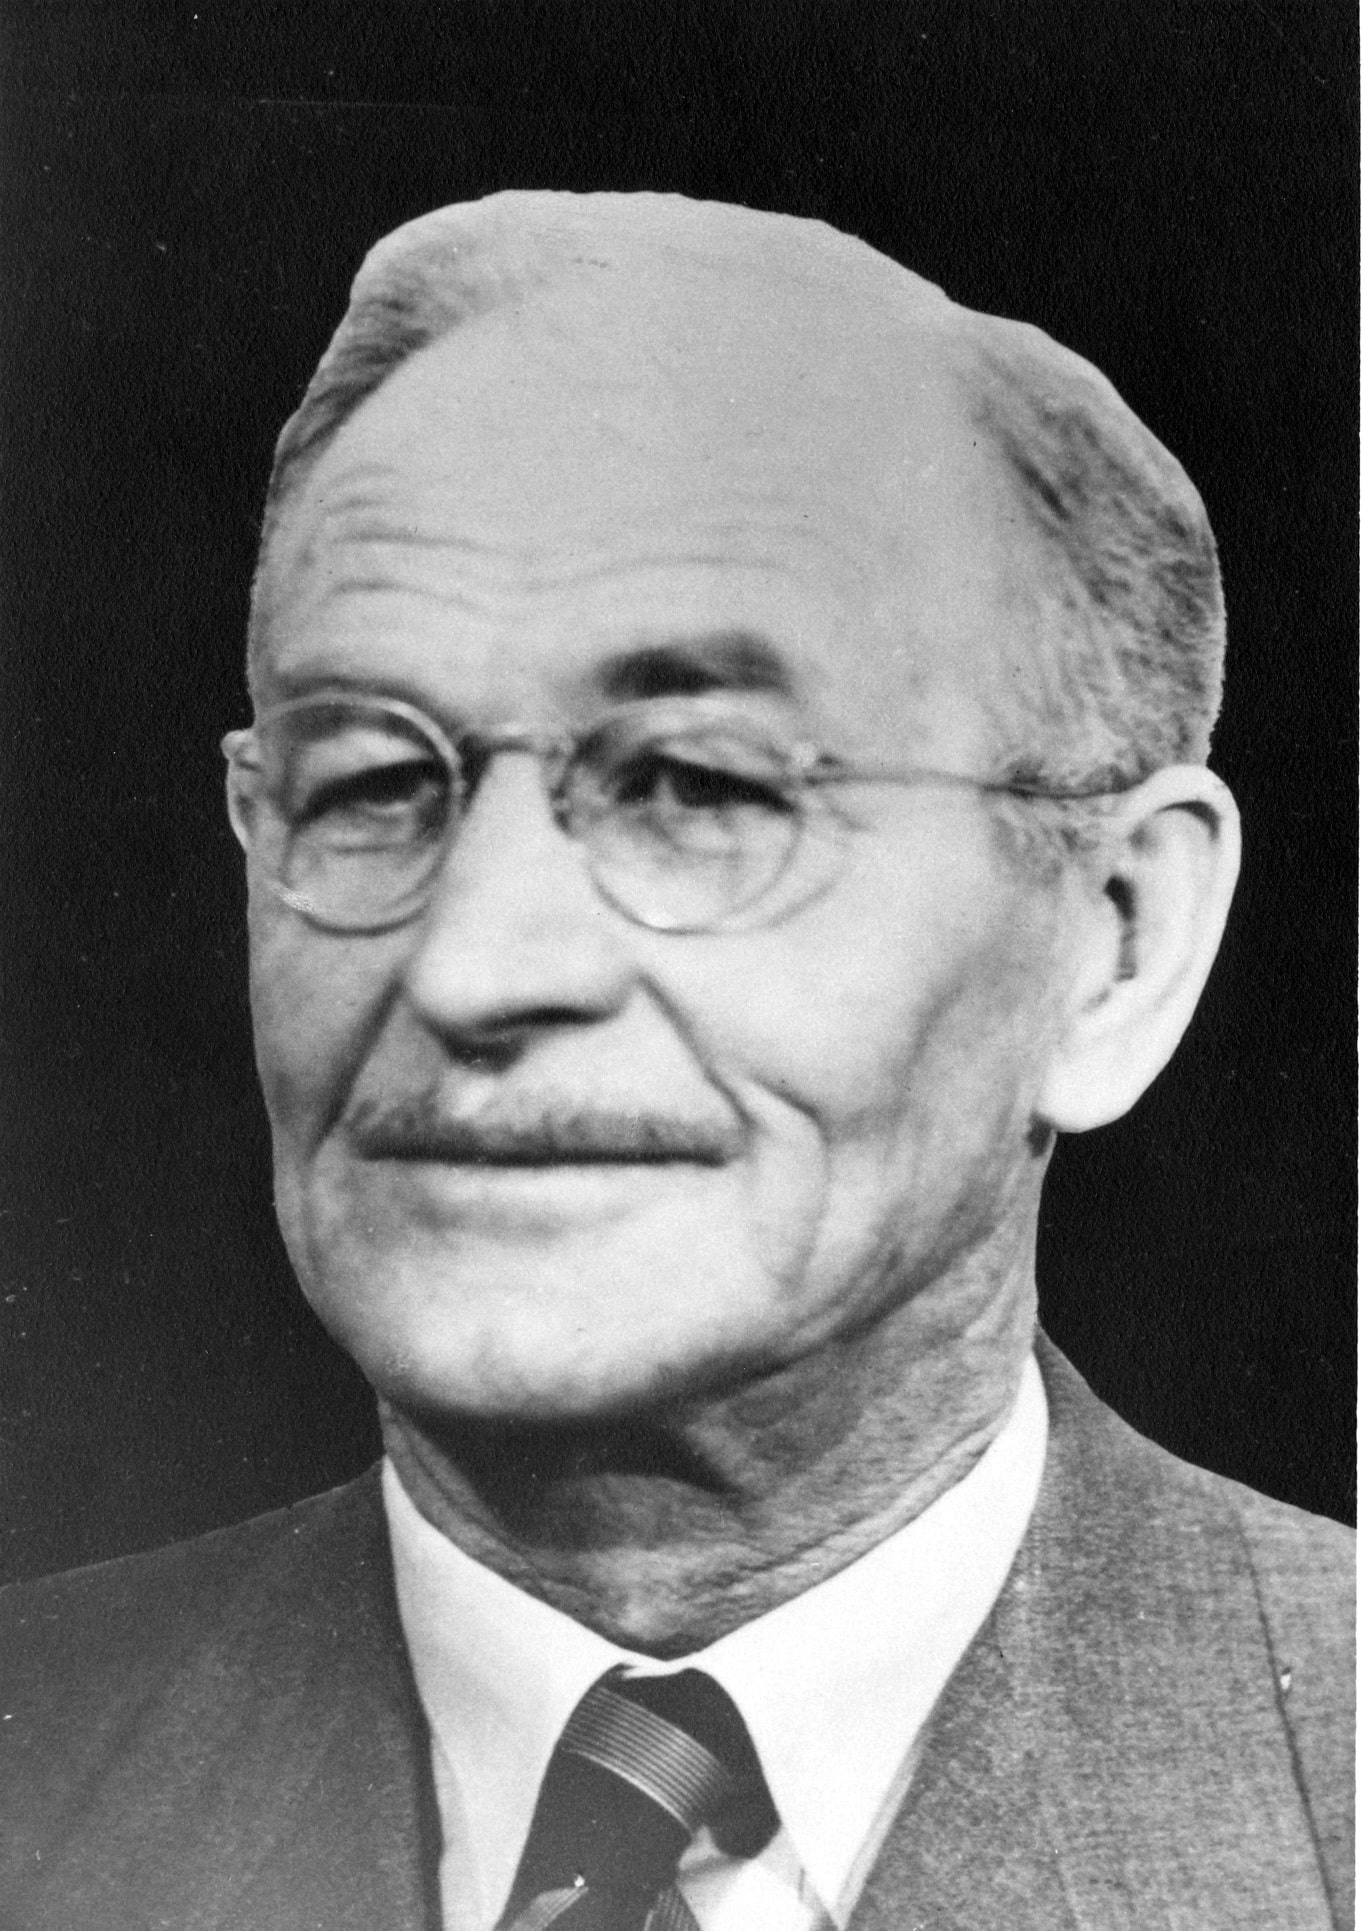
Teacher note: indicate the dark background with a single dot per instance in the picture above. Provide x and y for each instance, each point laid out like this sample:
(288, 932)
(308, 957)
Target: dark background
(185, 192)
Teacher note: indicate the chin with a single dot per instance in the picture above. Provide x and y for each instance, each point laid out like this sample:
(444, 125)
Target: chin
(530, 1352)
(486, 1318)
(516, 1390)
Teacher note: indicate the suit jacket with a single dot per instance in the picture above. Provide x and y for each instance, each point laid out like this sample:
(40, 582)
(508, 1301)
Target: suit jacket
(1152, 1728)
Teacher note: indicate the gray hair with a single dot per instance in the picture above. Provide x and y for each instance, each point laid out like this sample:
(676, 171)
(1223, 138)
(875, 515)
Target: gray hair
(1118, 587)
(1122, 583)
(403, 299)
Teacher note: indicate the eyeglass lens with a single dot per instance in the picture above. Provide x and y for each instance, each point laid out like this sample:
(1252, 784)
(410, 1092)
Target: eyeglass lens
(683, 825)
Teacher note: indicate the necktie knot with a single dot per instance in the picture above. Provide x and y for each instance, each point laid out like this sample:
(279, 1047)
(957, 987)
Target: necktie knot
(643, 1765)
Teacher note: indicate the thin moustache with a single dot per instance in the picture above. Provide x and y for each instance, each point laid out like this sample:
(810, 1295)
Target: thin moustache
(552, 1134)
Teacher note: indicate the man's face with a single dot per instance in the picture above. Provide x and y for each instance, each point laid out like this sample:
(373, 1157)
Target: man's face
(503, 537)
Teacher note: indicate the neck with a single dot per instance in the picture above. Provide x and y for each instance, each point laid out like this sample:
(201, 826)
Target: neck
(663, 1531)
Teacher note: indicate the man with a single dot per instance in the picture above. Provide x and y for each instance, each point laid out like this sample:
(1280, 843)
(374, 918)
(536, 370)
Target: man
(727, 787)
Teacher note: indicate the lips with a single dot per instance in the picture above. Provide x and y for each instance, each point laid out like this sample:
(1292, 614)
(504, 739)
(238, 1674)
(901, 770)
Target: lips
(550, 1133)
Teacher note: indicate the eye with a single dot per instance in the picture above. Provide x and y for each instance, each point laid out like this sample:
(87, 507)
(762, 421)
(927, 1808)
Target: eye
(701, 780)
(394, 803)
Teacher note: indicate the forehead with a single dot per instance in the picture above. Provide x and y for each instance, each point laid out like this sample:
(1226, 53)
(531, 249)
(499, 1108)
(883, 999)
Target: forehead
(607, 468)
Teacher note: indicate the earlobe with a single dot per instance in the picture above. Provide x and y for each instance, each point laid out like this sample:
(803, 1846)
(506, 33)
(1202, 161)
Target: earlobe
(1170, 862)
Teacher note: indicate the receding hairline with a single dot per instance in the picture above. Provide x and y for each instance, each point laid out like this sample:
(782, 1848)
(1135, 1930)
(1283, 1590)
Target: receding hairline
(1050, 423)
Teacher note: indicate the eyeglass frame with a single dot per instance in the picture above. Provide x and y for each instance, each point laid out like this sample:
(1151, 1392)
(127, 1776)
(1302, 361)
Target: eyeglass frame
(807, 770)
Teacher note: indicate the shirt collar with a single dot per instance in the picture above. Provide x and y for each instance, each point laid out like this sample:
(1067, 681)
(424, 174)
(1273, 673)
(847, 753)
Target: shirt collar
(834, 1685)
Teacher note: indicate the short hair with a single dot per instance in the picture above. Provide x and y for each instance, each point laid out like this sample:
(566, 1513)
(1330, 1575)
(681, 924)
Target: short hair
(1122, 585)
(415, 287)
(1118, 585)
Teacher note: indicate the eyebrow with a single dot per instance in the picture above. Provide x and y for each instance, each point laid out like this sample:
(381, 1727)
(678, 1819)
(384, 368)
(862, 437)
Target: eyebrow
(731, 659)
(720, 660)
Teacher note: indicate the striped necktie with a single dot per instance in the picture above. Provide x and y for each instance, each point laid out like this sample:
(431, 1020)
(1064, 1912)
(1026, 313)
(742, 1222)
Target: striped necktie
(644, 1764)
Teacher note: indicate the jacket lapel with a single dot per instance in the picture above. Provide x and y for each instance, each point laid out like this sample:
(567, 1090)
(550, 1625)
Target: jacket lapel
(1110, 1753)
(970, 1846)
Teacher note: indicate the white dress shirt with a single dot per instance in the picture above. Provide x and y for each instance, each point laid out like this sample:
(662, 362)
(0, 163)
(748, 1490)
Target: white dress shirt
(834, 1685)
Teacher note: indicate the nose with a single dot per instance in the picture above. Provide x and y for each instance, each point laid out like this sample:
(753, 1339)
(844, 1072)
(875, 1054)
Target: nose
(516, 936)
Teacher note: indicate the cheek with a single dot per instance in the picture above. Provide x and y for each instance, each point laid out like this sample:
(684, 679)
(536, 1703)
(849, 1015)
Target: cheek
(841, 1016)
(316, 1001)
(887, 1045)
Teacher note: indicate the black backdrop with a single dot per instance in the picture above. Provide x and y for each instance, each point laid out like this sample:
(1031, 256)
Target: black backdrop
(1169, 188)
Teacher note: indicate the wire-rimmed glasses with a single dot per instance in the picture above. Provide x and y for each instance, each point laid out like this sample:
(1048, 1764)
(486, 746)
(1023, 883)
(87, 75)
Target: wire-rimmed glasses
(691, 818)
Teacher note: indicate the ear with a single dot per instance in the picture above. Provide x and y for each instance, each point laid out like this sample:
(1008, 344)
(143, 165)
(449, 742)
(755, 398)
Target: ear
(238, 792)
(1149, 929)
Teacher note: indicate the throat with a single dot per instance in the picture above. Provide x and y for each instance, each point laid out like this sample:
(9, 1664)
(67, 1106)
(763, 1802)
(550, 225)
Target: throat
(665, 1533)
(625, 1527)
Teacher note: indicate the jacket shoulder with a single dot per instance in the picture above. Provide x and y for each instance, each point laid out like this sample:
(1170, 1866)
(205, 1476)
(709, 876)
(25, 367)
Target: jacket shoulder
(1305, 1571)
(1132, 1480)
(1262, 1592)
(1302, 1566)
(86, 1654)
(141, 1610)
